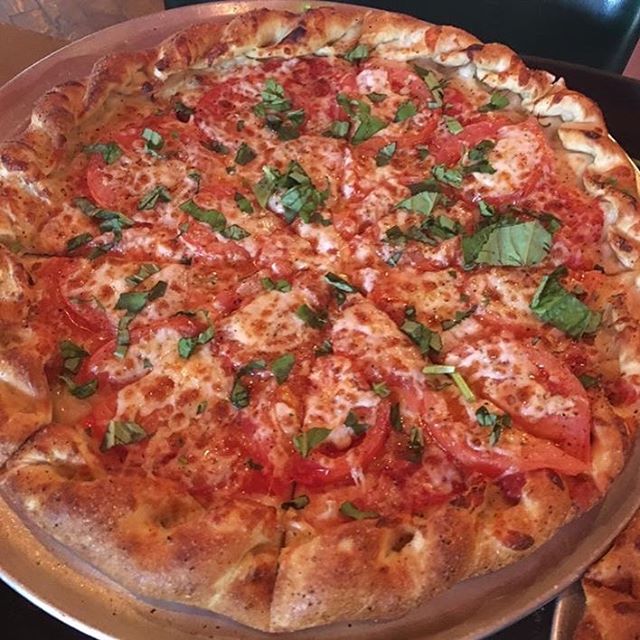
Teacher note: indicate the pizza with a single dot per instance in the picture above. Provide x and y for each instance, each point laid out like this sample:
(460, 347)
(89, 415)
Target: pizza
(307, 317)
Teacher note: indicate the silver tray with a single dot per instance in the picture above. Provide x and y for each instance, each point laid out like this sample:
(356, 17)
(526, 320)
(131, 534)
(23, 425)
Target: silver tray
(55, 580)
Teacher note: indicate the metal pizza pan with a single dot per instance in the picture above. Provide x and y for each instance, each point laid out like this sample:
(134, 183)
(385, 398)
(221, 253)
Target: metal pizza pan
(57, 581)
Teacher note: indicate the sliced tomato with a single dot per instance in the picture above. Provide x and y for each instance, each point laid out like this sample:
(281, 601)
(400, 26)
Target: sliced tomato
(104, 405)
(320, 469)
(536, 389)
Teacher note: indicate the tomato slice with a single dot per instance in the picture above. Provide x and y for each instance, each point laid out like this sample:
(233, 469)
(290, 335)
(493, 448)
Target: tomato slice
(320, 469)
(538, 391)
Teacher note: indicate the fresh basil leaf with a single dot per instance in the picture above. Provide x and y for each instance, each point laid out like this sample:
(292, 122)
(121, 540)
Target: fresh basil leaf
(325, 348)
(239, 396)
(463, 387)
(187, 345)
(135, 301)
(110, 221)
(450, 176)
(217, 147)
(349, 510)
(151, 199)
(265, 187)
(235, 232)
(340, 284)
(145, 271)
(109, 151)
(275, 285)
(415, 447)
(477, 158)
(201, 408)
(123, 335)
(367, 127)
(182, 111)
(453, 126)
(376, 98)
(406, 110)
(395, 417)
(297, 503)
(245, 154)
(422, 151)
(78, 241)
(422, 202)
(359, 53)
(550, 222)
(80, 391)
(352, 422)
(312, 318)
(153, 141)
(122, 433)
(486, 210)
(496, 101)
(394, 258)
(434, 85)
(588, 381)
(251, 366)
(384, 155)
(494, 421)
(307, 441)
(425, 339)
(72, 355)
(212, 217)
(243, 203)
(338, 129)
(553, 304)
(380, 389)
(273, 99)
(458, 318)
(281, 367)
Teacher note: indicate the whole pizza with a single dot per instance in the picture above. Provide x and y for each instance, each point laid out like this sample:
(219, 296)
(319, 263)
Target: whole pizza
(306, 317)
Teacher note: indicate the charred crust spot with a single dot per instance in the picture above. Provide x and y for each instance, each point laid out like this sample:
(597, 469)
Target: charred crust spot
(295, 36)
(516, 540)
(162, 64)
(593, 134)
(623, 244)
(556, 479)
(636, 543)
(402, 539)
(624, 608)
(474, 48)
(147, 87)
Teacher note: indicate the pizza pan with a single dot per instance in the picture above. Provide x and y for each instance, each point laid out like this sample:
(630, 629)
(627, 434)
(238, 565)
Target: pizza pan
(566, 616)
(79, 595)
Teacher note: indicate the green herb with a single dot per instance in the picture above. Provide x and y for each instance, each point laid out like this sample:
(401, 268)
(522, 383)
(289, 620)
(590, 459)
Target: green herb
(275, 108)
(187, 345)
(122, 433)
(235, 232)
(477, 158)
(325, 348)
(453, 126)
(450, 176)
(425, 339)
(423, 152)
(486, 210)
(588, 381)
(153, 142)
(438, 369)
(281, 367)
(182, 111)
(201, 408)
(508, 245)
(80, 390)
(239, 396)
(461, 383)
(496, 102)
(254, 466)
(312, 318)
(415, 446)
(123, 336)
(395, 417)
(406, 110)
(422, 202)
(338, 129)
(275, 285)
(251, 366)
(78, 241)
(359, 53)
(217, 147)
(458, 318)
(307, 441)
(72, 355)
(340, 286)
(351, 421)
(364, 124)
(376, 97)
(434, 85)
(553, 304)
(380, 389)
(384, 155)
(212, 217)
(135, 301)
(245, 154)
(550, 222)
(273, 99)
(109, 151)
(297, 503)
(151, 199)
(109, 221)
(494, 421)
(349, 510)
(145, 271)
(243, 203)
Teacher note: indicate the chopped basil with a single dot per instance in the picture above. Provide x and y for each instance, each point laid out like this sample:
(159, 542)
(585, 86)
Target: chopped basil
(145, 271)
(135, 301)
(458, 318)
(110, 221)
(235, 232)
(253, 465)
(239, 396)
(325, 348)
(307, 441)
(187, 345)
(365, 125)
(460, 382)
(351, 421)
(251, 366)
(275, 108)
(380, 389)
(553, 304)
(312, 318)
(123, 336)
(434, 85)
(425, 339)
(376, 97)
(297, 503)
(245, 154)
(494, 421)
(151, 199)
(201, 408)
(340, 285)
(394, 258)
(240, 125)
(153, 141)
(273, 98)
(384, 155)
(453, 126)
(477, 158)
(217, 147)
(78, 241)
(415, 446)
(212, 217)
(275, 285)
(406, 110)
(423, 152)
(80, 390)
(395, 417)
(588, 381)
(422, 202)
(508, 245)
(243, 203)
(486, 210)
(450, 176)
(550, 222)
(281, 367)
(122, 433)
(338, 129)
(496, 101)
(349, 510)
(182, 111)
(359, 53)
(109, 151)
(72, 355)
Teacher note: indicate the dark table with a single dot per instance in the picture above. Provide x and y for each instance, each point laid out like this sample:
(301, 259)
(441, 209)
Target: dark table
(619, 99)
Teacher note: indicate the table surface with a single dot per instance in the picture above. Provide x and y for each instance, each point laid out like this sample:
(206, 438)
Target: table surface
(619, 98)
